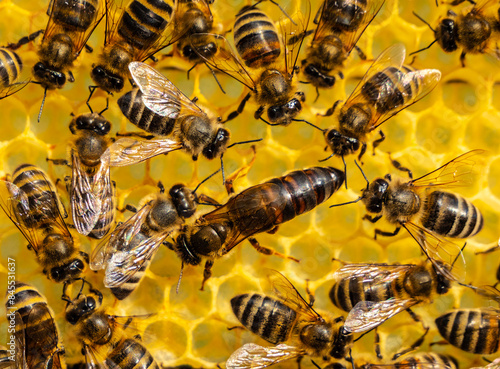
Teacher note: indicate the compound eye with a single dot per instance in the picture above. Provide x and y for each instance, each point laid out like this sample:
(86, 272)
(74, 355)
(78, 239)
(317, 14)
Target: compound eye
(103, 128)
(39, 67)
(99, 71)
(61, 79)
(56, 274)
(118, 84)
(78, 265)
(294, 105)
(275, 112)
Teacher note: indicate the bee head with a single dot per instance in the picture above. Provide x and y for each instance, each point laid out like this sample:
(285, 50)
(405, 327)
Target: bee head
(218, 145)
(341, 144)
(48, 78)
(340, 343)
(184, 199)
(374, 195)
(205, 241)
(90, 122)
(182, 247)
(107, 81)
(67, 272)
(283, 114)
(347, 17)
(316, 77)
(80, 308)
(447, 34)
(207, 50)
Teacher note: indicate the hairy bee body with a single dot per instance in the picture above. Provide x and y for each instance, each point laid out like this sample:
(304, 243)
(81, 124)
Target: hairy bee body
(428, 360)
(11, 66)
(472, 330)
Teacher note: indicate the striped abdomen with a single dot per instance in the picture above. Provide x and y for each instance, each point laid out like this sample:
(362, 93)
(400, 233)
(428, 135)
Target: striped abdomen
(11, 66)
(266, 317)
(143, 22)
(42, 199)
(451, 215)
(303, 190)
(256, 38)
(429, 360)
(130, 354)
(390, 89)
(107, 216)
(137, 113)
(472, 330)
(74, 15)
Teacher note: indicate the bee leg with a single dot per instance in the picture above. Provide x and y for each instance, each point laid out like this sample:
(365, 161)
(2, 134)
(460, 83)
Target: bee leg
(206, 200)
(128, 207)
(71, 77)
(386, 234)
(372, 219)
(25, 40)
(413, 347)
(59, 162)
(238, 111)
(360, 52)
(299, 359)
(379, 141)
(377, 345)
(135, 134)
(235, 327)
(416, 318)
(362, 152)
(85, 256)
(494, 248)
(267, 251)
(88, 48)
(396, 164)
(258, 113)
(207, 273)
(273, 230)
(331, 110)
(310, 294)
(161, 187)
(462, 59)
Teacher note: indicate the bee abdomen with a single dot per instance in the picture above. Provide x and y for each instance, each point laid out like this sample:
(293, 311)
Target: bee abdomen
(125, 289)
(11, 66)
(451, 215)
(306, 189)
(77, 15)
(264, 316)
(25, 296)
(256, 38)
(137, 113)
(470, 330)
(431, 360)
(131, 354)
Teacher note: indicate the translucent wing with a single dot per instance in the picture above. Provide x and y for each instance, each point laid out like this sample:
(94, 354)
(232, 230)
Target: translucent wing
(445, 255)
(104, 189)
(225, 60)
(374, 273)
(293, 35)
(495, 364)
(93, 359)
(367, 315)
(128, 151)
(456, 172)
(253, 356)
(289, 295)
(12, 89)
(159, 94)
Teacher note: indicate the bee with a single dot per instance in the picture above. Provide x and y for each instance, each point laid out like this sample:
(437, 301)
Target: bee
(130, 248)
(421, 360)
(289, 323)
(472, 330)
(32, 204)
(473, 30)
(34, 330)
(340, 26)
(144, 27)
(427, 212)
(266, 63)
(194, 130)
(11, 67)
(103, 336)
(388, 288)
(386, 88)
(260, 208)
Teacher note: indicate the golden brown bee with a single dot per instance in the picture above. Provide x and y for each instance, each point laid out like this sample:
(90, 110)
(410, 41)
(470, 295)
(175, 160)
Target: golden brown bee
(288, 322)
(144, 27)
(32, 204)
(103, 336)
(193, 129)
(386, 88)
(266, 64)
(126, 254)
(472, 330)
(388, 289)
(473, 30)
(340, 26)
(421, 360)
(33, 332)
(11, 67)
(260, 208)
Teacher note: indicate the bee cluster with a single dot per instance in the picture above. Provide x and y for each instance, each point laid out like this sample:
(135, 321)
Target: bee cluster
(138, 228)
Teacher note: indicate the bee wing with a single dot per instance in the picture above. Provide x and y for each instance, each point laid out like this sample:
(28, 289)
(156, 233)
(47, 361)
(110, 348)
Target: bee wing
(374, 273)
(446, 256)
(225, 60)
(483, 4)
(20, 342)
(159, 94)
(253, 356)
(413, 86)
(120, 239)
(293, 35)
(84, 18)
(367, 315)
(13, 88)
(411, 364)
(128, 151)
(93, 359)
(454, 173)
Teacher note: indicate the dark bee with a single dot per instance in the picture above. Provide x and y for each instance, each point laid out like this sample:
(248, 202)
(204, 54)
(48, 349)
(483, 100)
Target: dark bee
(269, 71)
(143, 28)
(260, 208)
(421, 360)
(472, 30)
(340, 26)
(34, 329)
(194, 130)
(389, 289)
(11, 67)
(287, 318)
(471, 330)
(105, 342)
(126, 254)
(387, 88)
(32, 204)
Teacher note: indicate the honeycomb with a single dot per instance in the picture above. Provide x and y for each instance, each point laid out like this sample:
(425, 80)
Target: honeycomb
(191, 326)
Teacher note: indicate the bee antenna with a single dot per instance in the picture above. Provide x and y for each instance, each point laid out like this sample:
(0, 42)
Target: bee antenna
(244, 142)
(106, 108)
(425, 22)
(222, 169)
(206, 179)
(91, 90)
(347, 203)
(363, 173)
(43, 103)
(345, 171)
(180, 277)
(215, 77)
(312, 125)
(425, 48)
(316, 365)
